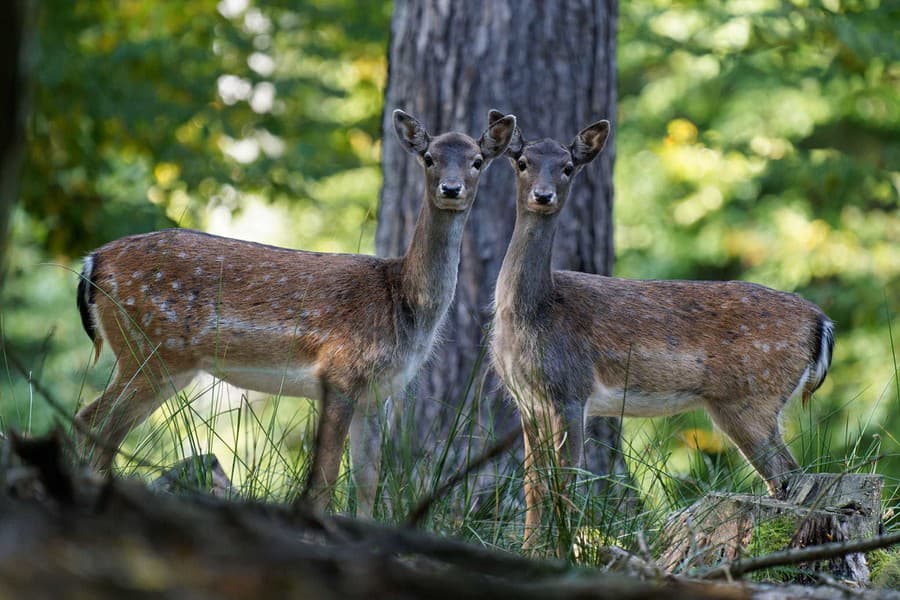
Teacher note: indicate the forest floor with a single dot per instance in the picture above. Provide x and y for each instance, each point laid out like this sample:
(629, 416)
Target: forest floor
(67, 533)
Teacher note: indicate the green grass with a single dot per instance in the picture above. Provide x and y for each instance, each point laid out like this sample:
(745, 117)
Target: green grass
(263, 443)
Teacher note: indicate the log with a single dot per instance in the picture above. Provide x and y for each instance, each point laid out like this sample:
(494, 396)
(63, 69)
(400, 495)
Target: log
(819, 508)
(68, 532)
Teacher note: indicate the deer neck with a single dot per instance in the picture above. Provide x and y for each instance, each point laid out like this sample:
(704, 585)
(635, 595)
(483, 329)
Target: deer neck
(431, 263)
(526, 278)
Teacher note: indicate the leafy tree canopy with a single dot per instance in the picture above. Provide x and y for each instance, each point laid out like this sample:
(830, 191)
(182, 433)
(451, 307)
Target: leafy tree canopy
(148, 113)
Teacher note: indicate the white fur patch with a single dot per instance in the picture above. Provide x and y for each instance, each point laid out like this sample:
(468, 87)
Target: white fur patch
(613, 402)
(295, 380)
(801, 384)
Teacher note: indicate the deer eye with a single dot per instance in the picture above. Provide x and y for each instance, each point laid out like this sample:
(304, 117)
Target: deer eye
(477, 164)
(429, 162)
(522, 164)
(568, 169)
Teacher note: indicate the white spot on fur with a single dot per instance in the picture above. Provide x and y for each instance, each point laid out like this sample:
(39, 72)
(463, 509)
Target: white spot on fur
(144, 288)
(129, 301)
(182, 255)
(198, 271)
(282, 280)
(164, 308)
(158, 275)
(145, 320)
(176, 285)
(174, 344)
(744, 329)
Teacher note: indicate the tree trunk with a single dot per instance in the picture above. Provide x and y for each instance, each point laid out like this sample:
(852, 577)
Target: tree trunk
(13, 29)
(553, 66)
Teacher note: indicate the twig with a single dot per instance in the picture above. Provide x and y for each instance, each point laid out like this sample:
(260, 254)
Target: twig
(793, 556)
(421, 510)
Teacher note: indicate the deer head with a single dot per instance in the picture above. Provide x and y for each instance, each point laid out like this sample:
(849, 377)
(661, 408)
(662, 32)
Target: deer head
(453, 162)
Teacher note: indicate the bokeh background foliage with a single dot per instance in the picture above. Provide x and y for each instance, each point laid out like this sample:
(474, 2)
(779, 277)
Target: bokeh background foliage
(756, 140)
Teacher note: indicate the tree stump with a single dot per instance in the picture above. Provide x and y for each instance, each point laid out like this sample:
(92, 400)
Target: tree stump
(819, 508)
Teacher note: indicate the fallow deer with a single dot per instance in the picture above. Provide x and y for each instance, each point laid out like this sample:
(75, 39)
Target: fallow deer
(572, 345)
(348, 330)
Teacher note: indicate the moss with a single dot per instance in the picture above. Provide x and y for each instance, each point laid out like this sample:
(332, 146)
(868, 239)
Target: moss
(771, 536)
(884, 568)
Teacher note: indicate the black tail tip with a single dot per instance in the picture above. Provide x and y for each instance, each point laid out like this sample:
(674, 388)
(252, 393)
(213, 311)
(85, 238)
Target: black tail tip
(86, 298)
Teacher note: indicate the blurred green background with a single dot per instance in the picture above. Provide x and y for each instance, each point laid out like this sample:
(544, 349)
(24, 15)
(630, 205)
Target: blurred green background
(756, 140)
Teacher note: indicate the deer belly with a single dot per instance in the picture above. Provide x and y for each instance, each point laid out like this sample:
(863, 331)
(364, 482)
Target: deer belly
(287, 380)
(613, 402)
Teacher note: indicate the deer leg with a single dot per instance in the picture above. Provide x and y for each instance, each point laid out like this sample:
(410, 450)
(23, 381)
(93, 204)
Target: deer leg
(365, 455)
(554, 437)
(569, 458)
(534, 490)
(132, 395)
(754, 429)
(334, 424)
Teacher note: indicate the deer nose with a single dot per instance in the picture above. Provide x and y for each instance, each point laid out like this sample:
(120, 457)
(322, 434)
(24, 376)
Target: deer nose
(543, 196)
(451, 190)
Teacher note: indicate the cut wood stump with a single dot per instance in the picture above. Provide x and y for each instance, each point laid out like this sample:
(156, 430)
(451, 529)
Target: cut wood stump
(819, 508)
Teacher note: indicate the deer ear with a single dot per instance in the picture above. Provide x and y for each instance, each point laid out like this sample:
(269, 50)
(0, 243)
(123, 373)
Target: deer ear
(496, 137)
(495, 115)
(516, 144)
(515, 141)
(410, 132)
(589, 142)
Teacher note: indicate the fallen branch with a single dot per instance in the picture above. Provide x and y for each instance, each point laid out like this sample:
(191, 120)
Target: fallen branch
(794, 556)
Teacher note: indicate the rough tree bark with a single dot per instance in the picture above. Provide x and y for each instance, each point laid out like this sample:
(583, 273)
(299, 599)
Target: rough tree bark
(13, 29)
(553, 66)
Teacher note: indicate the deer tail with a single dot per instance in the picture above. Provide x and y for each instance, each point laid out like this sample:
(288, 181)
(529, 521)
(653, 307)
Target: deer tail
(821, 361)
(86, 290)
